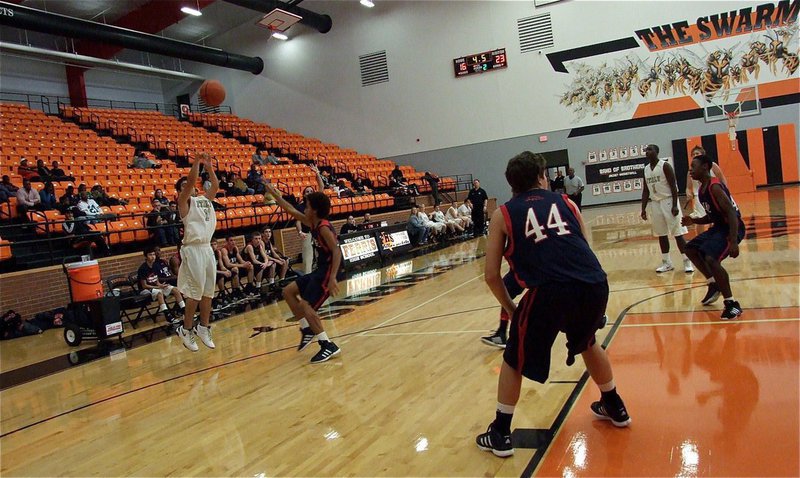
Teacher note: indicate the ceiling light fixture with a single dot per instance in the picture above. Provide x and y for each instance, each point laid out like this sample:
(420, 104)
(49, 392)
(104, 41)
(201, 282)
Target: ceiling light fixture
(367, 3)
(279, 36)
(191, 11)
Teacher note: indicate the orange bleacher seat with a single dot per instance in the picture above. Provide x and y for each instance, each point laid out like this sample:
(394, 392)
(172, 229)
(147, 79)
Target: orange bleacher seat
(5, 250)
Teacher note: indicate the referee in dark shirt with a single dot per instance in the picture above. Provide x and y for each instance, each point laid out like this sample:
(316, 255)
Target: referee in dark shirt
(478, 198)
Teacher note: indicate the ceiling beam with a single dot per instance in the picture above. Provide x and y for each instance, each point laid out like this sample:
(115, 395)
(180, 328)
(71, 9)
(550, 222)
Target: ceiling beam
(152, 17)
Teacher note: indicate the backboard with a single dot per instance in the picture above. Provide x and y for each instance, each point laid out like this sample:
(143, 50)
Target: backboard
(278, 20)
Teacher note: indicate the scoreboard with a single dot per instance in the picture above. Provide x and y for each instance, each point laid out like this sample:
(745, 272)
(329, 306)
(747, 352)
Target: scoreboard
(480, 62)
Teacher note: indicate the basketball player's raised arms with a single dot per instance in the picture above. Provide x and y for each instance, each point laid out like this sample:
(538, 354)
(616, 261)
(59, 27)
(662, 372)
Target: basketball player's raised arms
(495, 244)
(212, 176)
(188, 188)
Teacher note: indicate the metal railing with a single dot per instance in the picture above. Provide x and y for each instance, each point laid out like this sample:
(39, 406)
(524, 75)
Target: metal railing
(51, 104)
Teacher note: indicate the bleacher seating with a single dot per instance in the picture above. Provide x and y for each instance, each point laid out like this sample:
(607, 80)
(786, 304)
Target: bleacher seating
(97, 145)
(328, 155)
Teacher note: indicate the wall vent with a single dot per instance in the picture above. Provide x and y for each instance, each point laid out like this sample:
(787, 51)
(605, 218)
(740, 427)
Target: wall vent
(374, 68)
(535, 33)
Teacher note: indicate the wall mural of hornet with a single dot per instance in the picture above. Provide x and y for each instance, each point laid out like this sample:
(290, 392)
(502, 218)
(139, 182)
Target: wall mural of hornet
(682, 72)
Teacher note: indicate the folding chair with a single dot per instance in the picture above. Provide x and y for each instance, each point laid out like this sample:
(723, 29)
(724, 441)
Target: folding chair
(133, 307)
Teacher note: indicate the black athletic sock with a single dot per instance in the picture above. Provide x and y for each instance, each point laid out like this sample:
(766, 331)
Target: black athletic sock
(503, 329)
(502, 422)
(610, 396)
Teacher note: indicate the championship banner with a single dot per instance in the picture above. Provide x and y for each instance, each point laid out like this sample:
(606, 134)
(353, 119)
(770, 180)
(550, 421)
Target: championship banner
(620, 170)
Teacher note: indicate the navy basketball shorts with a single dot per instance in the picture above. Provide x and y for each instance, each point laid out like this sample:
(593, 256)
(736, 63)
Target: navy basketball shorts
(314, 287)
(575, 308)
(714, 242)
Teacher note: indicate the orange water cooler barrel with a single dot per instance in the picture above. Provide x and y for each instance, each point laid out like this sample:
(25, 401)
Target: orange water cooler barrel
(85, 282)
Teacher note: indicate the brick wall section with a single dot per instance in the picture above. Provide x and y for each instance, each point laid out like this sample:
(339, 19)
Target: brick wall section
(29, 292)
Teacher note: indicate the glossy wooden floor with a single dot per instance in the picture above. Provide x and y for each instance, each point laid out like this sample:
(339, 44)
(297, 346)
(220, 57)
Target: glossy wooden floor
(414, 385)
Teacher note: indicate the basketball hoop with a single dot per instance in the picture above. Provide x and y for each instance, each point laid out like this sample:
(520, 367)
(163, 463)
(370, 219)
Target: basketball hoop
(733, 120)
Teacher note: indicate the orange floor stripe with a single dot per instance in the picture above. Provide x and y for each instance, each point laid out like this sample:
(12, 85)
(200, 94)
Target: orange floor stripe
(705, 401)
(709, 314)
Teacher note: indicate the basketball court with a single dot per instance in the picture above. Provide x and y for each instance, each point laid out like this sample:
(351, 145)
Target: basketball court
(414, 385)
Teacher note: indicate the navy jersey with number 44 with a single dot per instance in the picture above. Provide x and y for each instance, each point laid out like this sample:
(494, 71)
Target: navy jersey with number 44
(545, 242)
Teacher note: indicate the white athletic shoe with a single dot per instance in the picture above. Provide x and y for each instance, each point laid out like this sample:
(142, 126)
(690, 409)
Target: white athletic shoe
(665, 267)
(188, 338)
(687, 266)
(205, 335)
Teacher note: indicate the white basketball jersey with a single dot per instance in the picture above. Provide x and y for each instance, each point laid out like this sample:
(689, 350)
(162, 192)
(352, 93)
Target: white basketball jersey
(657, 182)
(200, 223)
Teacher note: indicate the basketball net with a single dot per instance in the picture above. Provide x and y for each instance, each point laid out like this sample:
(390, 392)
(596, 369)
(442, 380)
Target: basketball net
(733, 120)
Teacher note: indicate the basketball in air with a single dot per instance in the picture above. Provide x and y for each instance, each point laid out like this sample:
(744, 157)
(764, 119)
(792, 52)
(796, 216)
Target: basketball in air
(212, 92)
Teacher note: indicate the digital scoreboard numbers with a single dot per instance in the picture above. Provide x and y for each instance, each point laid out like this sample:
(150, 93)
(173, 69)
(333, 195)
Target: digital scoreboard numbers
(480, 62)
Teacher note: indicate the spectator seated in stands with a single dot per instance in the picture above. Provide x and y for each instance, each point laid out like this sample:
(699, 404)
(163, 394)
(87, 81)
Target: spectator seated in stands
(100, 197)
(46, 174)
(342, 190)
(417, 231)
(59, 174)
(439, 217)
(88, 206)
(161, 266)
(151, 285)
(27, 199)
(141, 161)
(226, 183)
(12, 325)
(465, 213)
(262, 160)
(240, 186)
(173, 218)
(164, 233)
(349, 226)
(48, 197)
(81, 234)
(400, 185)
(7, 189)
(68, 200)
(435, 229)
(360, 186)
(159, 196)
(281, 261)
(27, 171)
(255, 180)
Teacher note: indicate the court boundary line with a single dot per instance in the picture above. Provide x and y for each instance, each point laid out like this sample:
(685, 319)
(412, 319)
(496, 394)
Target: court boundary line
(566, 409)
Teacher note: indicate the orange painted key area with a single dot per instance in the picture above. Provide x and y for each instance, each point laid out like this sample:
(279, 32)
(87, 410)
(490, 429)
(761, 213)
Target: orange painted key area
(706, 399)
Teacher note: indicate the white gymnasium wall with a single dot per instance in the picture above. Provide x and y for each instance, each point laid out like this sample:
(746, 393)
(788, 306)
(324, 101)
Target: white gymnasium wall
(311, 83)
(22, 75)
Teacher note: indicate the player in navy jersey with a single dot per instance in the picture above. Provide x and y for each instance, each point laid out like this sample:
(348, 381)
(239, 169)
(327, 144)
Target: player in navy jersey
(540, 233)
(306, 294)
(709, 249)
